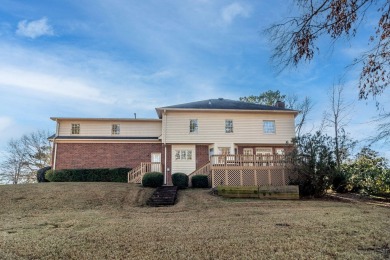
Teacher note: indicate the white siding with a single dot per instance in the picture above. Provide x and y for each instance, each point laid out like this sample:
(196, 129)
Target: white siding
(184, 166)
(247, 127)
(103, 128)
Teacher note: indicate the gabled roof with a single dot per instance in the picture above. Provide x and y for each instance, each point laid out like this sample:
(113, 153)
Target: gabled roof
(223, 104)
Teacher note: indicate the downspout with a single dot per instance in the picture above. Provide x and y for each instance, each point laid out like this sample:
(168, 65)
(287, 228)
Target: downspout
(165, 147)
(55, 145)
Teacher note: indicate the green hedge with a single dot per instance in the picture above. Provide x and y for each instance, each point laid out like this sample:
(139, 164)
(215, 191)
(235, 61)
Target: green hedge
(153, 179)
(88, 175)
(180, 180)
(200, 181)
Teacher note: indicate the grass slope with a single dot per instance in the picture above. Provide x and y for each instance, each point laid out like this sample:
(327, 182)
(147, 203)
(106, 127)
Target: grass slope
(109, 220)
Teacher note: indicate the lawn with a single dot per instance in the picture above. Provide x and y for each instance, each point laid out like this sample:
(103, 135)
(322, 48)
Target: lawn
(110, 220)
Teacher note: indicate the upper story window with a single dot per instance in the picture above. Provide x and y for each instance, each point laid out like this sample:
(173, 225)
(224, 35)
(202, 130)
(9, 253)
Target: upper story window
(269, 127)
(115, 129)
(228, 126)
(75, 129)
(193, 125)
(183, 154)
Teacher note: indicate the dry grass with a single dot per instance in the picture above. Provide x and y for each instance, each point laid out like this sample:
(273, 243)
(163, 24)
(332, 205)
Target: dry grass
(106, 220)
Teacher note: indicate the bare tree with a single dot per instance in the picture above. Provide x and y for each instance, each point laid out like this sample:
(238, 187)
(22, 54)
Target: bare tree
(383, 129)
(24, 157)
(304, 109)
(296, 38)
(337, 118)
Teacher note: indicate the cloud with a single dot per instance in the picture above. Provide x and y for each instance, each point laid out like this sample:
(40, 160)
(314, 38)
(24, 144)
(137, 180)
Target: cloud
(230, 12)
(35, 28)
(57, 85)
(5, 122)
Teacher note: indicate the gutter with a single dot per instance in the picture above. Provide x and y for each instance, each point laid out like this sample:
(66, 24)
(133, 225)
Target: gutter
(165, 148)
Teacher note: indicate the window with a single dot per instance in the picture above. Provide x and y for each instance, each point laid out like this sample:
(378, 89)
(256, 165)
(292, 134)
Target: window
(193, 125)
(269, 127)
(75, 129)
(116, 129)
(261, 150)
(183, 154)
(279, 151)
(228, 126)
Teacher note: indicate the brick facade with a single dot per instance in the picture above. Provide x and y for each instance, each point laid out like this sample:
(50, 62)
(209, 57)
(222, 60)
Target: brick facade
(104, 155)
(202, 155)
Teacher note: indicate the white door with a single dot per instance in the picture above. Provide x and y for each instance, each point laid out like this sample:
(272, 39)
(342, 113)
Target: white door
(156, 162)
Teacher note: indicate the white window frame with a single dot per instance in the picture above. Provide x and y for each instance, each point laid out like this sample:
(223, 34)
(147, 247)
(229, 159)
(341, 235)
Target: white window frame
(75, 129)
(194, 126)
(115, 129)
(229, 126)
(183, 155)
(269, 129)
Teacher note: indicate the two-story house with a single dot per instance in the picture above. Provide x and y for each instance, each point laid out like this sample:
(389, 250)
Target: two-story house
(182, 139)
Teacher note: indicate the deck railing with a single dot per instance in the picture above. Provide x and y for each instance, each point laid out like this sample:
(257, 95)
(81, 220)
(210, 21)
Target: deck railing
(240, 160)
(249, 170)
(136, 174)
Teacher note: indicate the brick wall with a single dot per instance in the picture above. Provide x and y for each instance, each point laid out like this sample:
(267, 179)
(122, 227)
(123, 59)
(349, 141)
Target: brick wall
(202, 155)
(104, 155)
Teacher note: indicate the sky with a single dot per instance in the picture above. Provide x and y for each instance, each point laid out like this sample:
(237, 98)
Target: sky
(114, 58)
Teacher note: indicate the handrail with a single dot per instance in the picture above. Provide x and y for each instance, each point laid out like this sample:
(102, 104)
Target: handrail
(136, 174)
(204, 169)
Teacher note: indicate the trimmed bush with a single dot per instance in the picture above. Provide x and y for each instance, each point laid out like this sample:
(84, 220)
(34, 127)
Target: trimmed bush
(200, 181)
(153, 179)
(88, 175)
(41, 174)
(180, 180)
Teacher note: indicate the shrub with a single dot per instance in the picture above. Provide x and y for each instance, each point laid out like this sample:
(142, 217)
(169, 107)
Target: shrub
(312, 161)
(180, 180)
(153, 179)
(49, 175)
(200, 181)
(41, 174)
(88, 175)
(340, 182)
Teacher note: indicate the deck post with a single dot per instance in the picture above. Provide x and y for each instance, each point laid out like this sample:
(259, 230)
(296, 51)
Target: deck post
(269, 176)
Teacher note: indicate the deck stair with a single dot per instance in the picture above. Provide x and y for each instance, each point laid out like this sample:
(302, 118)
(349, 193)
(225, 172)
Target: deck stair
(163, 196)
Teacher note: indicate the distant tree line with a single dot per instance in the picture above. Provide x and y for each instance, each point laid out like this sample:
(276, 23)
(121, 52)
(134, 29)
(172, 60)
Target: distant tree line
(24, 156)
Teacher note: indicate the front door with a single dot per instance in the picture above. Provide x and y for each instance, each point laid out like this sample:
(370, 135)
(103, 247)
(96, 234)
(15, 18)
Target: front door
(156, 162)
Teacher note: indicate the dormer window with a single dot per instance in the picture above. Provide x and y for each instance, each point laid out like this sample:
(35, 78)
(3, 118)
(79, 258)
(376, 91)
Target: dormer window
(75, 129)
(115, 129)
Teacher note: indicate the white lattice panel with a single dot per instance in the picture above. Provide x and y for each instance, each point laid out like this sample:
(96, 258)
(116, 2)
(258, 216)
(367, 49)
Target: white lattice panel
(219, 177)
(277, 177)
(262, 177)
(248, 177)
(234, 178)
